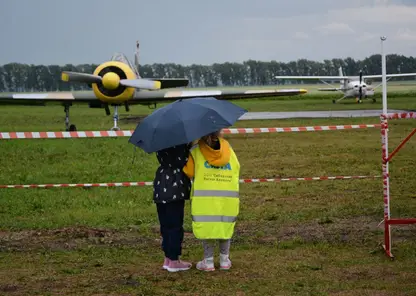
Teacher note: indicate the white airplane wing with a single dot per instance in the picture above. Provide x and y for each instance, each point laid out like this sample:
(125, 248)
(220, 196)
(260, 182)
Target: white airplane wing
(389, 75)
(314, 77)
(338, 78)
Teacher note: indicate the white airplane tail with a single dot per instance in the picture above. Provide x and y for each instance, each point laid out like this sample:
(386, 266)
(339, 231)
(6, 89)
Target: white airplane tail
(340, 73)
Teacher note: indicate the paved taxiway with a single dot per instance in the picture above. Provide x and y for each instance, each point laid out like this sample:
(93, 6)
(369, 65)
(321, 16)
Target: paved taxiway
(315, 114)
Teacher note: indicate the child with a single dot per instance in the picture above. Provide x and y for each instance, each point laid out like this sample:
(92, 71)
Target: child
(171, 188)
(215, 171)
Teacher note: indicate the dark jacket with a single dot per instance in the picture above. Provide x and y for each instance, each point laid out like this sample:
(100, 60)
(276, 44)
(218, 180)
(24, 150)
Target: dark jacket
(170, 182)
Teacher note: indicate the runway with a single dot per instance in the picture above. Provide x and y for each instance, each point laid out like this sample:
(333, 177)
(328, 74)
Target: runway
(316, 114)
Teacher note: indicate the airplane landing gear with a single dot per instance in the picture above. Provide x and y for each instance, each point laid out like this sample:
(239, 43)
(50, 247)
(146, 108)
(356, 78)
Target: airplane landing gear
(115, 117)
(374, 100)
(340, 99)
(72, 127)
(68, 127)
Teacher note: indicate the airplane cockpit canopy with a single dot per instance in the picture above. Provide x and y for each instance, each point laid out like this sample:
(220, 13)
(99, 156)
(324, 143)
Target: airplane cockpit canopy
(120, 57)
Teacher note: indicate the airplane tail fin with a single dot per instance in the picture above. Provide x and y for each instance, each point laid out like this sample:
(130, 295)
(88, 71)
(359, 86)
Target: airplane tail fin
(342, 81)
(340, 71)
(164, 82)
(136, 59)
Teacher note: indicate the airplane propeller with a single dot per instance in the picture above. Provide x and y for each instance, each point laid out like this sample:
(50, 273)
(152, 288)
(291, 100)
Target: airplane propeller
(360, 90)
(110, 80)
(80, 77)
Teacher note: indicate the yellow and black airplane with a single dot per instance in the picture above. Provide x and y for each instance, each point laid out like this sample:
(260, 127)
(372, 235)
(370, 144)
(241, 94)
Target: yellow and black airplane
(117, 82)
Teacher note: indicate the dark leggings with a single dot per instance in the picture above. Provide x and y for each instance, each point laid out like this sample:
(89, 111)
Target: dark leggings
(171, 227)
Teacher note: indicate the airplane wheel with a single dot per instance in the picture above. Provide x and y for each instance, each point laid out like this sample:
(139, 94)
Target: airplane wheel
(333, 101)
(72, 128)
(374, 100)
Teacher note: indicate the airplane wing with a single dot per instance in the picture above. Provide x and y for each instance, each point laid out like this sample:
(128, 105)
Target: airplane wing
(218, 93)
(147, 96)
(389, 75)
(313, 77)
(37, 97)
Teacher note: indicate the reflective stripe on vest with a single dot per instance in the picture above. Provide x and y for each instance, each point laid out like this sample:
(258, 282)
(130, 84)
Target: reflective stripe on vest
(216, 193)
(206, 218)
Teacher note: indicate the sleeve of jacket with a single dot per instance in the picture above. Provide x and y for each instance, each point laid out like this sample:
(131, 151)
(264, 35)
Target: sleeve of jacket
(189, 168)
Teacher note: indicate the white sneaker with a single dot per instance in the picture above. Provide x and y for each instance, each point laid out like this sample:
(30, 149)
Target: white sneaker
(225, 262)
(206, 265)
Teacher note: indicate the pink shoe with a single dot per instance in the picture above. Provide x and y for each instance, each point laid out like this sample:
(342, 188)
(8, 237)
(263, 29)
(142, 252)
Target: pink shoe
(178, 265)
(206, 265)
(166, 263)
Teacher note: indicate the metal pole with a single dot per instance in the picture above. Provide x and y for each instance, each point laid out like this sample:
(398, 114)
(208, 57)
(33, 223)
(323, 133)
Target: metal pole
(383, 73)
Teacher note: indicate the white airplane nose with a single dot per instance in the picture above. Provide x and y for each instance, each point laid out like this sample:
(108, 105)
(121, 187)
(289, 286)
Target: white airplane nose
(357, 91)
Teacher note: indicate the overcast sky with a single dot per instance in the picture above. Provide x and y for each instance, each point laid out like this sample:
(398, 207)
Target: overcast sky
(202, 32)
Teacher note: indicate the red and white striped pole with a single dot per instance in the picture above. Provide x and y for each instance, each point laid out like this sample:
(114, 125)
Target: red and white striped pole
(386, 185)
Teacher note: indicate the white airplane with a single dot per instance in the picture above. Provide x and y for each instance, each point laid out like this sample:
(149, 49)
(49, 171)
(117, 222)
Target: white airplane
(350, 86)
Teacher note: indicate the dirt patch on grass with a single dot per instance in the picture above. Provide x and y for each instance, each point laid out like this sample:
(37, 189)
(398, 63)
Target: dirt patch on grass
(366, 292)
(68, 238)
(8, 288)
(332, 230)
(132, 119)
(356, 231)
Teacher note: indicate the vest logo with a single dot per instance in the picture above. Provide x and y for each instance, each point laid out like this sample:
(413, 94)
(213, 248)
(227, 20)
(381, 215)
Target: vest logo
(226, 167)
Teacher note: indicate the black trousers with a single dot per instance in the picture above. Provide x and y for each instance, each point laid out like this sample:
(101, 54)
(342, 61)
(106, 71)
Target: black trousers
(171, 227)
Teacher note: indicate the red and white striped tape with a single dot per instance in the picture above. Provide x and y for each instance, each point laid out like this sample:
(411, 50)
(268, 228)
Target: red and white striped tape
(400, 115)
(133, 184)
(105, 134)
(297, 129)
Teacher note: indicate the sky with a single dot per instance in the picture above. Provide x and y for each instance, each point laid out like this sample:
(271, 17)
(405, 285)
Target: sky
(203, 32)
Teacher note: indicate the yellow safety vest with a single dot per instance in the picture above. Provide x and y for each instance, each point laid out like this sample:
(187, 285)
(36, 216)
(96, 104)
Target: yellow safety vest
(215, 198)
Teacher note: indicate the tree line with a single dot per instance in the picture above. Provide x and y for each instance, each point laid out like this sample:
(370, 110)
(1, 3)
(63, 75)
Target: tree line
(23, 77)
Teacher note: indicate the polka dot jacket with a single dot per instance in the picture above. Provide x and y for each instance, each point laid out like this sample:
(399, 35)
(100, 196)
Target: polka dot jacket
(170, 182)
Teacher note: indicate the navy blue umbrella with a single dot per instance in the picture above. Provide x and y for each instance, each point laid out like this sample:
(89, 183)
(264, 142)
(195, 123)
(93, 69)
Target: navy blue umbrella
(184, 121)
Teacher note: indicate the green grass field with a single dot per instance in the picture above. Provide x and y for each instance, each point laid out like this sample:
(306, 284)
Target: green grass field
(292, 238)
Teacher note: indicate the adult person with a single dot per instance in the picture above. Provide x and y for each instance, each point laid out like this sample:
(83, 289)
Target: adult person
(215, 170)
(171, 187)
